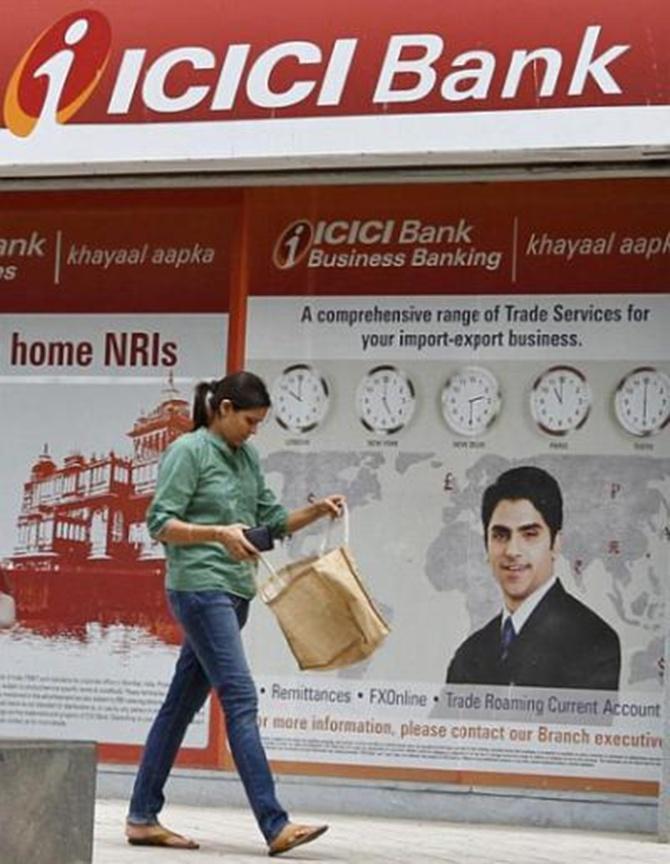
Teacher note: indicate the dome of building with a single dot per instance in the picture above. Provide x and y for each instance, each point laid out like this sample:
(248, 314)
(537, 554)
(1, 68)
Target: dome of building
(45, 466)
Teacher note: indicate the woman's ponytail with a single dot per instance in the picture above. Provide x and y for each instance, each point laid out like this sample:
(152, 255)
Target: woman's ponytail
(202, 401)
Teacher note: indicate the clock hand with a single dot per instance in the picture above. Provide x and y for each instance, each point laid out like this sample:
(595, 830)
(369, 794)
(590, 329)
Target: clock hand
(471, 405)
(385, 402)
(472, 402)
(644, 401)
(295, 395)
(559, 393)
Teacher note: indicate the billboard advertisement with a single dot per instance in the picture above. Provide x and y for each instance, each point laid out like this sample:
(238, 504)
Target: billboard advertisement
(112, 307)
(482, 369)
(432, 343)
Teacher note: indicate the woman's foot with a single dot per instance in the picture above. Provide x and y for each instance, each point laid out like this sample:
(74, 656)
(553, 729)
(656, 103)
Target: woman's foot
(292, 835)
(157, 835)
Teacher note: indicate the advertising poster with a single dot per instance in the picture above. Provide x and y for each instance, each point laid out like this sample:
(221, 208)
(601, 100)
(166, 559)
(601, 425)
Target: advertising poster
(92, 398)
(419, 343)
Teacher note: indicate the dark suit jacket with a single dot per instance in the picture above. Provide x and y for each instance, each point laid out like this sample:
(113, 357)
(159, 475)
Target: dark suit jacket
(562, 644)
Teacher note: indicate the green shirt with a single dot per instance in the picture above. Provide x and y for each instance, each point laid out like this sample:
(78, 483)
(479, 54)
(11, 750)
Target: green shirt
(204, 481)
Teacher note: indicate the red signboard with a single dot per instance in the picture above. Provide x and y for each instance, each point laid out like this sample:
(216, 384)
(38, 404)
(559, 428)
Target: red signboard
(503, 238)
(146, 63)
(117, 251)
(132, 66)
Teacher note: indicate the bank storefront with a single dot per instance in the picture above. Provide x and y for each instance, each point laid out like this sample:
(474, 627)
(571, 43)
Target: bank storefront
(451, 233)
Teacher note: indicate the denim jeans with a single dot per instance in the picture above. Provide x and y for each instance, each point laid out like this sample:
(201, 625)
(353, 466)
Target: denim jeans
(212, 656)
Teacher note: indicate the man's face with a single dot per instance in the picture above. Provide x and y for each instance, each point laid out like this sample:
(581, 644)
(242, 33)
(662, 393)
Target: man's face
(520, 550)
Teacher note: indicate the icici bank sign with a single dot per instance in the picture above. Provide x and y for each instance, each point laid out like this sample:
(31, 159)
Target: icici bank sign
(75, 71)
(409, 56)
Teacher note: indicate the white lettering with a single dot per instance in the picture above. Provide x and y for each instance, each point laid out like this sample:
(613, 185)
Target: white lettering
(420, 67)
(258, 83)
(482, 77)
(337, 72)
(520, 59)
(336, 233)
(341, 232)
(230, 77)
(595, 67)
(126, 80)
(153, 89)
(408, 74)
(56, 69)
(371, 232)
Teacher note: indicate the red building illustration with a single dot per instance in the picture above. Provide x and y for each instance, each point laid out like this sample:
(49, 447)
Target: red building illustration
(83, 552)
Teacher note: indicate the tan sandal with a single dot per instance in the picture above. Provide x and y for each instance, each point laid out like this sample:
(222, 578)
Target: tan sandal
(157, 835)
(292, 835)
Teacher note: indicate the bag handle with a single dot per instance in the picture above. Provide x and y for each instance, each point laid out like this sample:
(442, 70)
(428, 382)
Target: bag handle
(269, 588)
(326, 542)
(265, 561)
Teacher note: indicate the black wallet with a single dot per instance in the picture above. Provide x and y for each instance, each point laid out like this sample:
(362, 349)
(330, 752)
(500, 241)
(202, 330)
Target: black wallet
(260, 537)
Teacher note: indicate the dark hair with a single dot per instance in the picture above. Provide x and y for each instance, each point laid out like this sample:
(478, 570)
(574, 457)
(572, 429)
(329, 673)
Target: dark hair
(530, 484)
(243, 390)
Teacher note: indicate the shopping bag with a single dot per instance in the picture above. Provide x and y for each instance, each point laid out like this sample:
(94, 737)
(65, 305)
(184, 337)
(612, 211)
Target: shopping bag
(323, 608)
(7, 610)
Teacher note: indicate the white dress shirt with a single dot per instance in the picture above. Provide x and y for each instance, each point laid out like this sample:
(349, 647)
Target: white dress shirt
(523, 613)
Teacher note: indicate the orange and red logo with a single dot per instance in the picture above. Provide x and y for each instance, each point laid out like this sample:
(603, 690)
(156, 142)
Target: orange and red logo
(59, 71)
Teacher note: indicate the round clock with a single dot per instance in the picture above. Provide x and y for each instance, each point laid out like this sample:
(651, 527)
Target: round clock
(385, 400)
(470, 400)
(560, 400)
(642, 401)
(300, 398)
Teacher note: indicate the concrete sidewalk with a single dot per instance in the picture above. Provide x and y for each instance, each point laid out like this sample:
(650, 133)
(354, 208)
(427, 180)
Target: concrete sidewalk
(230, 835)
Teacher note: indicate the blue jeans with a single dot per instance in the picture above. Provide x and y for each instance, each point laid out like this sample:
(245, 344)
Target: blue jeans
(212, 656)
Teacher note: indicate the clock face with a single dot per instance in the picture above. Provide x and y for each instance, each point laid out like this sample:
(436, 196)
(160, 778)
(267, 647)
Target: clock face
(385, 400)
(299, 398)
(560, 400)
(470, 400)
(642, 401)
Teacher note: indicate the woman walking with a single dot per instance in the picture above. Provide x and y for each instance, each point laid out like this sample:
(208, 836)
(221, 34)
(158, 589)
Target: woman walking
(209, 489)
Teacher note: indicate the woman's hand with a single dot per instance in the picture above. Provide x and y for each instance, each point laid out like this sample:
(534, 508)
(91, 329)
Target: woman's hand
(237, 545)
(331, 505)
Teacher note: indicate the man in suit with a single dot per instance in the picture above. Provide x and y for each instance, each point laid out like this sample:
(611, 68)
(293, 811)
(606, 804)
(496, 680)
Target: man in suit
(543, 637)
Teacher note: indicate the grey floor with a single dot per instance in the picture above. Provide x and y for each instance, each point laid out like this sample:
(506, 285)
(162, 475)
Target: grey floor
(230, 835)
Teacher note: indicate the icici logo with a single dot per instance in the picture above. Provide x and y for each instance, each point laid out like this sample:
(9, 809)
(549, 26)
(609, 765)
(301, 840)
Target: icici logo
(58, 72)
(293, 244)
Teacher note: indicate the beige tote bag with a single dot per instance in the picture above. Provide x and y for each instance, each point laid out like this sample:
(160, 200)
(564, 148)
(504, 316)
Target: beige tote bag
(326, 614)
